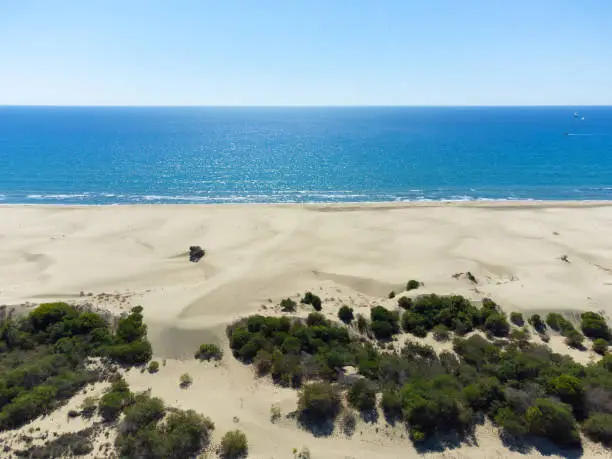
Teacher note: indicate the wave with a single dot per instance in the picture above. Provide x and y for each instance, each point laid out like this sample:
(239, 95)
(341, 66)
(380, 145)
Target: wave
(57, 196)
(280, 196)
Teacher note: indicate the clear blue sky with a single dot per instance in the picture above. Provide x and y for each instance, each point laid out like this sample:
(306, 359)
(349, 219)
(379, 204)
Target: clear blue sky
(305, 52)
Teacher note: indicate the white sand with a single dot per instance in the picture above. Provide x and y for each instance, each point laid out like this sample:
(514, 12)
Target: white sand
(353, 254)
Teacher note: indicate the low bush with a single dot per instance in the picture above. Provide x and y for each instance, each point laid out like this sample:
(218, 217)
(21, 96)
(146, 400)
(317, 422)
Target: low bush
(600, 346)
(536, 322)
(404, 302)
(275, 413)
(391, 404)
(143, 433)
(115, 400)
(553, 420)
(594, 326)
(209, 352)
(391, 294)
(497, 325)
(153, 367)
(313, 300)
(316, 318)
(348, 422)
(517, 319)
(560, 324)
(433, 405)
(441, 333)
(573, 338)
(288, 305)
(185, 380)
(412, 285)
(319, 401)
(362, 324)
(362, 396)
(384, 323)
(234, 445)
(89, 407)
(598, 427)
(345, 314)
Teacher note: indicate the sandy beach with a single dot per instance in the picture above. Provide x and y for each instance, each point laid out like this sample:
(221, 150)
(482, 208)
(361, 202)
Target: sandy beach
(115, 257)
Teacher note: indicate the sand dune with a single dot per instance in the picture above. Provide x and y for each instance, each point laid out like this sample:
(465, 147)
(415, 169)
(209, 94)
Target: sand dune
(348, 254)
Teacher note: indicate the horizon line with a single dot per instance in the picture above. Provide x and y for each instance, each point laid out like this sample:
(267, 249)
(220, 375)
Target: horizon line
(297, 105)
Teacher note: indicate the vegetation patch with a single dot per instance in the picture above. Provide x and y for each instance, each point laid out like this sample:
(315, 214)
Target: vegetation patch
(522, 387)
(313, 300)
(234, 445)
(44, 356)
(209, 352)
(150, 430)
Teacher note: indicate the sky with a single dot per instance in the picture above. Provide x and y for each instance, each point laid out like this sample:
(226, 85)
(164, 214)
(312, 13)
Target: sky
(305, 52)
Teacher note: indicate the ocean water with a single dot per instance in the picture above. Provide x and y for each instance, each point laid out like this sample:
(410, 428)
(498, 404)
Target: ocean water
(118, 155)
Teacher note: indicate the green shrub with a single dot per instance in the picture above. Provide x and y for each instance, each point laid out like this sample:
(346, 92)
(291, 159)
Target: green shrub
(594, 326)
(315, 318)
(313, 300)
(27, 405)
(476, 351)
(559, 323)
(181, 434)
(362, 324)
(521, 335)
(384, 323)
(288, 305)
(348, 423)
(275, 413)
(391, 404)
(49, 314)
(404, 302)
(536, 322)
(433, 405)
(598, 427)
(600, 346)
(484, 394)
(412, 285)
(567, 388)
(382, 330)
(132, 353)
(362, 396)
(415, 323)
(153, 367)
(511, 422)
(441, 333)
(234, 445)
(553, 320)
(209, 352)
(185, 434)
(112, 404)
(89, 407)
(517, 319)
(318, 401)
(554, 421)
(497, 325)
(263, 362)
(185, 380)
(574, 338)
(345, 314)
(145, 411)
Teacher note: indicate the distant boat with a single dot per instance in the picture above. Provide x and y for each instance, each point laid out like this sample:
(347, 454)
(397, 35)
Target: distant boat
(582, 119)
(576, 115)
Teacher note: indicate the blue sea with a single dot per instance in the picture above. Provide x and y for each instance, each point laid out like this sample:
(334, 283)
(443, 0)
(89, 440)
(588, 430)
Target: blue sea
(113, 155)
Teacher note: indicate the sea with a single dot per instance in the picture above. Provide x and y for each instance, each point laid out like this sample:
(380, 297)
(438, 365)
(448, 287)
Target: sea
(132, 155)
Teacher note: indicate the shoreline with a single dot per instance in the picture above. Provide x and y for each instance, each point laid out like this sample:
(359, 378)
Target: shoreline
(492, 203)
